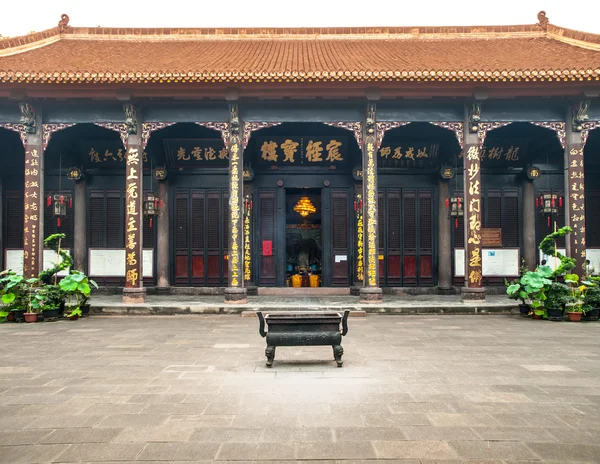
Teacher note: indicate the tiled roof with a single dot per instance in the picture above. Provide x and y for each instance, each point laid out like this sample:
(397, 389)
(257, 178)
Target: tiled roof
(485, 54)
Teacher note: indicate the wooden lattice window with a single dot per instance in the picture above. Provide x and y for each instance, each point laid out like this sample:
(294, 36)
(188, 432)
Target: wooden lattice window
(14, 219)
(592, 208)
(340, 220)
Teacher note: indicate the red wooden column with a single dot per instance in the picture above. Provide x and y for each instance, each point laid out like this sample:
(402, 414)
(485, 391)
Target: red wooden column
(370, 292)
(474, 137)
(33, 214)
(134, 291)
(235, 292)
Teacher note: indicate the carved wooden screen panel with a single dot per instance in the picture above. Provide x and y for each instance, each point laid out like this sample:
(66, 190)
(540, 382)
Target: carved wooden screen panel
(511, 226)
(425, 237)
(393, 257)
(592, 223)
(339, 210)
(213, 238)
(409, 198)
(181, 237)
(267, 264)
(14, 219)
(51, 223)
(97, 232)
(196, 218)
(115, 218)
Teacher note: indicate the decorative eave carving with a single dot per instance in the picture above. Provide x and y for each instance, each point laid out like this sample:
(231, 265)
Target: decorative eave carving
(543, 21)
(222, 127)
(149, 127)
(485, 127)
(580, 116)
(120, 127)
(587, 127)
(559, 127)
(355, 127)
(250, 127)
(20, 128)
(474, 117)
(28, 117)
(383, 127)
(130, 118)
(456, 127)
(49, 129)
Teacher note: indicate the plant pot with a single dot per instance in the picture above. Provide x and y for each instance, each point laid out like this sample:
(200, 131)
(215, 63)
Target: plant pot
(555, 314)
(85, 310)
(73, 318)
(575, 317)
(19, 315)
(591, 315)
(10, 317)
(524, 309)
(31, 317)
(537, 316)
(51, 314)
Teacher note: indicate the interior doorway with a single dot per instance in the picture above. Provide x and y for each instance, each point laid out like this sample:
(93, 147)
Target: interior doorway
(303, 237)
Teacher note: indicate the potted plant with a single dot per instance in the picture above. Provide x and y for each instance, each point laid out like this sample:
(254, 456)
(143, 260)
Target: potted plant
(77, 288)
(532, 287)
(575, 305)
(557, 295)
(591, 301)
(16, 294)
(48, 299)
(516, 291)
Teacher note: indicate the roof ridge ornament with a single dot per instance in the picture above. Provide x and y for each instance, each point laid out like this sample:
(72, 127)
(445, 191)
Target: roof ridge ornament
(543, 21)
(580, 115)
(63, 24)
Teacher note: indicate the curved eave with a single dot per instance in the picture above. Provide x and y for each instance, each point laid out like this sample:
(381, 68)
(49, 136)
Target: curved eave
(292, 77)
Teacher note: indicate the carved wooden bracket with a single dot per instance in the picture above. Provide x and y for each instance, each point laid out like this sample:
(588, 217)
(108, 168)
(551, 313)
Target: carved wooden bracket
(587, 127)
(120, 127)
(20, 128)
(222, 127)
(149, 127)
(250, 127)
(355, 127)
(49, 129)
(383, 127)
(456, 127)
(559, 127)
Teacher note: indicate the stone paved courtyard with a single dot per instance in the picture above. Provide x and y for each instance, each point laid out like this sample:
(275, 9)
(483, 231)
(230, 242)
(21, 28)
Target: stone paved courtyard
(413, 389)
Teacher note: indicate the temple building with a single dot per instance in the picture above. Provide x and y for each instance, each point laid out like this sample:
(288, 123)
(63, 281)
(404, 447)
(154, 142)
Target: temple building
(374, 160)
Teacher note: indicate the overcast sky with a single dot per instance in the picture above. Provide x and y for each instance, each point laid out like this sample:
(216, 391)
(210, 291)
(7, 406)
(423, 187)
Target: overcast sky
(22, 17)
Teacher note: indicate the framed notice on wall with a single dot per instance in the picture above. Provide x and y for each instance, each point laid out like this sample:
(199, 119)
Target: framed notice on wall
(13, 259)
(111, 262)
(496, 262)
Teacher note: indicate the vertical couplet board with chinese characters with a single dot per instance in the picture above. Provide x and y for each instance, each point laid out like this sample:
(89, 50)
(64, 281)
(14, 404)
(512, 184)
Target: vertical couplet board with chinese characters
(472, 179)
(133, 218)
(236, 226)
(371, 279)
(32, 239)
(577, 206)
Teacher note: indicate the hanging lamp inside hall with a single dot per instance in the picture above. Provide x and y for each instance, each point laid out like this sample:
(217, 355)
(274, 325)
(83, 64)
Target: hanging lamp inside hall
(304, 207)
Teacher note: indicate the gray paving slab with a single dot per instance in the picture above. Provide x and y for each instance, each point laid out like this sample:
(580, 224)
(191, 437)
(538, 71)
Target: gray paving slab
(413, 389)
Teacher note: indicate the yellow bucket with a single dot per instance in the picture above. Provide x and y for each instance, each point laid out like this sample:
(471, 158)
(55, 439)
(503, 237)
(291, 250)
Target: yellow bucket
(314, 280)
(297, 281)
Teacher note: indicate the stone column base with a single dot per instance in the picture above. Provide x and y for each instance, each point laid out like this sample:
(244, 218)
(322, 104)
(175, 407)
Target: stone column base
(163, 290)
(370, 295)
(236, 295)
(446, 291)
(470, 293)
(134, 295)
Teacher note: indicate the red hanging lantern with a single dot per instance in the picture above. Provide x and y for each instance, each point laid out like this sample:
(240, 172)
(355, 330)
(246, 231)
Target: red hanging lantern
(553, 202)
(49, 201)
(458, 202)
(537, 202)
(456, 223)
(447, 202)
(548, 221)
(150, 223)
(58, 222)
(70, 202)
(355, 206)
(62, 199)
(560, 202)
